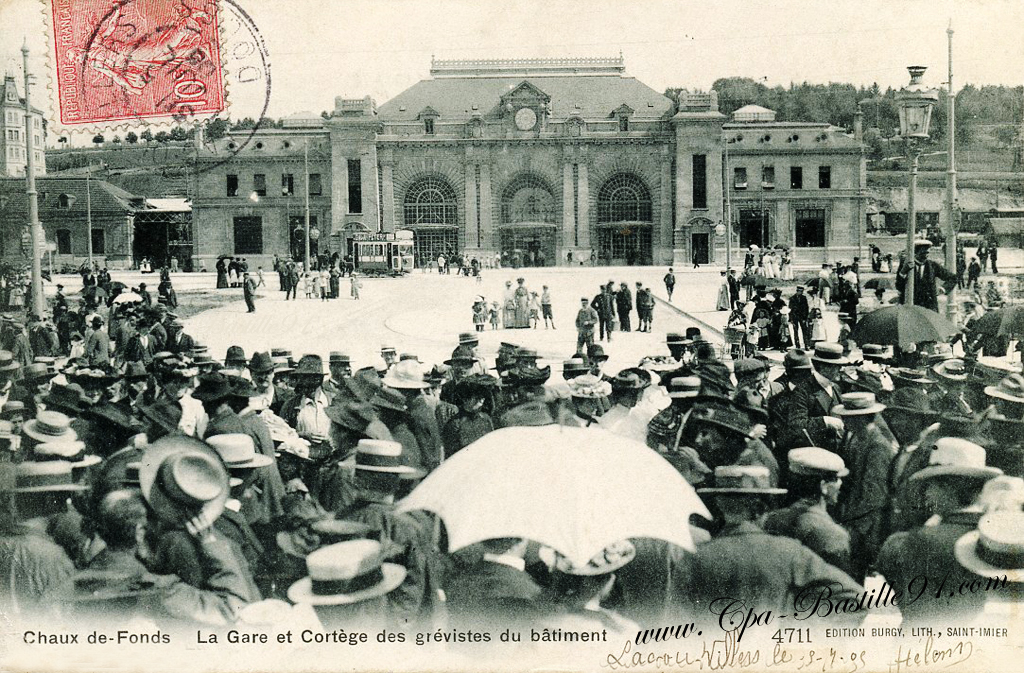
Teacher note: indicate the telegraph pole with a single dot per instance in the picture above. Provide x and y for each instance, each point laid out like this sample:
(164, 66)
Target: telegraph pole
(38, 305)
(88, 215)
(952, 309)
(306, 182)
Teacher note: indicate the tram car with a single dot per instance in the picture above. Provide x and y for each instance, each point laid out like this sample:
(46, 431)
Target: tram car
(382, 253)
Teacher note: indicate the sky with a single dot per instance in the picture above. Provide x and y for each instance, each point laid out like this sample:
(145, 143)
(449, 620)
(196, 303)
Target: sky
(319, 49)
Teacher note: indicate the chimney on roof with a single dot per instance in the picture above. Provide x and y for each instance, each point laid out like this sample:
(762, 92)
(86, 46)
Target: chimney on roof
(858, 125)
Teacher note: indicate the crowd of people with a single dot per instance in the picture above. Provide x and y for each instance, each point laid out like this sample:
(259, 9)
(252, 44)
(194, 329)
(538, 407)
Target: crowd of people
(142, 477)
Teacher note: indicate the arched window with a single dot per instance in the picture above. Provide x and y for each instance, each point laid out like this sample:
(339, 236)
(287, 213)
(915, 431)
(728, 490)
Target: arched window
(527, 199)
(431, 200)
(624, 198)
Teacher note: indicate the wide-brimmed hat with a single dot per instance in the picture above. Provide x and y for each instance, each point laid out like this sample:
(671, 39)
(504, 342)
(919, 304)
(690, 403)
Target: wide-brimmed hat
(940, 351)
(633, 378)
(385, 398)
(908, 377)
(238, 451)
(235, 356)
(857, 404)
(49, 426)
(796, 358)
(748, 367)
(996, 548)
(610, 559)
(70, 398)
(333, 531)
(134, 371)
(1010, 389)
(354, 416)
(476, 385)
(575, 367)
(261, 363)
(38, 477)
(309, 365)
(683, 387)
(11, 408)
(381, 455)
(527, 354)
(951, 370)
(241, 387)
(7, 363)
(73, 451)
(589, 386)
(953, 456)
(743, 480)
(461, 355)
(347, 573)
(596, 353)
(469, 338)
(405, 375)
(727, 417)
(876, 352)
(829, 353)
(526, 375)
(337, 357)
(815, 461)
(37, 371)
(178, 474)
(163, 413)
(910, 401)
(212, 387)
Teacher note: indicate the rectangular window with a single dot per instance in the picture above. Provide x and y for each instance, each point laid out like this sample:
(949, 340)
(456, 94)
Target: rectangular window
(623, 124)
(99, 242)
(232, 185)
(824, 177)
(259, 184)
(428, 126)
(768, 177)
(287, 184)
(248, 235)
(739, 177)
(315, 188)
(700, 181)
(63, 241)
(796, 177)
(355, 186)
(810, 228)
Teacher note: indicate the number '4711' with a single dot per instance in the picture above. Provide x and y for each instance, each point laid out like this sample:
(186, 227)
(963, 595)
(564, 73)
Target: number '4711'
(792, 636)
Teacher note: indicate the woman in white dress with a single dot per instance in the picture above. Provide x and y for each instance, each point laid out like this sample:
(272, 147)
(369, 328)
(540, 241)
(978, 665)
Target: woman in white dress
(769, 264)
(787, 265)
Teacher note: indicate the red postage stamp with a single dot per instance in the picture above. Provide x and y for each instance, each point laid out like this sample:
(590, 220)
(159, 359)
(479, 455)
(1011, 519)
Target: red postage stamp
(136, 59)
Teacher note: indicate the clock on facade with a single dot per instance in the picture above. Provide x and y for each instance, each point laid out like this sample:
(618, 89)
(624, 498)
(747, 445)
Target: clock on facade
(526, 118)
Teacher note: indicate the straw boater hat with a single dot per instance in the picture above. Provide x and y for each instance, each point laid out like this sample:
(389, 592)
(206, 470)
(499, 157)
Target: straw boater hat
(953, 456)
(71, 451)
(1010, 389)
(876, 353)
(575, 367)
(49, 426)
(337, 357)
(829, 354)
(996, 548)
(952, 370)
(469, 338)
(347, 573)
(857, 404)
(742, 480)
(178, 474)
(38, 477)
(333, 531)
(7, 363)
(610, 559)
(12, 408)
(940, 351)
(814, 461)
(682, 387)
(380, 455)
(238, 451)
(406, 375)
(796, 358)
(37, 371)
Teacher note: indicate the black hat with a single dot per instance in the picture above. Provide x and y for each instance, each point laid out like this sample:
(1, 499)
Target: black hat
(596, 352)
(212, 387)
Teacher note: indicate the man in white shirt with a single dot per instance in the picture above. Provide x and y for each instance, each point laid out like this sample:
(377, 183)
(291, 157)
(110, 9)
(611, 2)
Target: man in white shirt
(626, 417)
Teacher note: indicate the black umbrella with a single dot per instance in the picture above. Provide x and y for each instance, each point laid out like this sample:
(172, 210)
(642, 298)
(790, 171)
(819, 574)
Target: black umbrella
(1006, 321)
(902, 325)
(880, 283)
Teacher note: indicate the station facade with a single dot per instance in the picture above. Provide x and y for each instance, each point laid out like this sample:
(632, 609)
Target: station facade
(536, 162)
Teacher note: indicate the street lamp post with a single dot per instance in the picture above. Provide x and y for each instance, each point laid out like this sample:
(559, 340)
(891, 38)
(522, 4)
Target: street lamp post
(305, 164)
(38, 304)
(726, 187)
(915, 103)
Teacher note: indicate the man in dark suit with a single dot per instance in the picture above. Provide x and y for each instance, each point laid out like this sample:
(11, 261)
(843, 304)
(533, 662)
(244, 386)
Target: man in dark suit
(926, 272)
(141, 347)
(813, 400)
(768, 571)
(496, 587)
(249, 292)
(952, 483)
(734, 288)
(177, 341)
(624, 303)
(799, 314)
(97, 348)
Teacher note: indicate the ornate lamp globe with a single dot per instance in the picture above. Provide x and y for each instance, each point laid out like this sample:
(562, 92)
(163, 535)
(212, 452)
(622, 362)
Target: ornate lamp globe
(915, 102)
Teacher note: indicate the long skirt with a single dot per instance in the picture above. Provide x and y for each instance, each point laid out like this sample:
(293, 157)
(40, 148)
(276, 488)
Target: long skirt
(222, 280)
(723, 303)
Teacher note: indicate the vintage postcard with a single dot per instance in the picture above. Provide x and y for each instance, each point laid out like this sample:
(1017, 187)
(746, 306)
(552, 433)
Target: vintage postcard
(447, 335)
